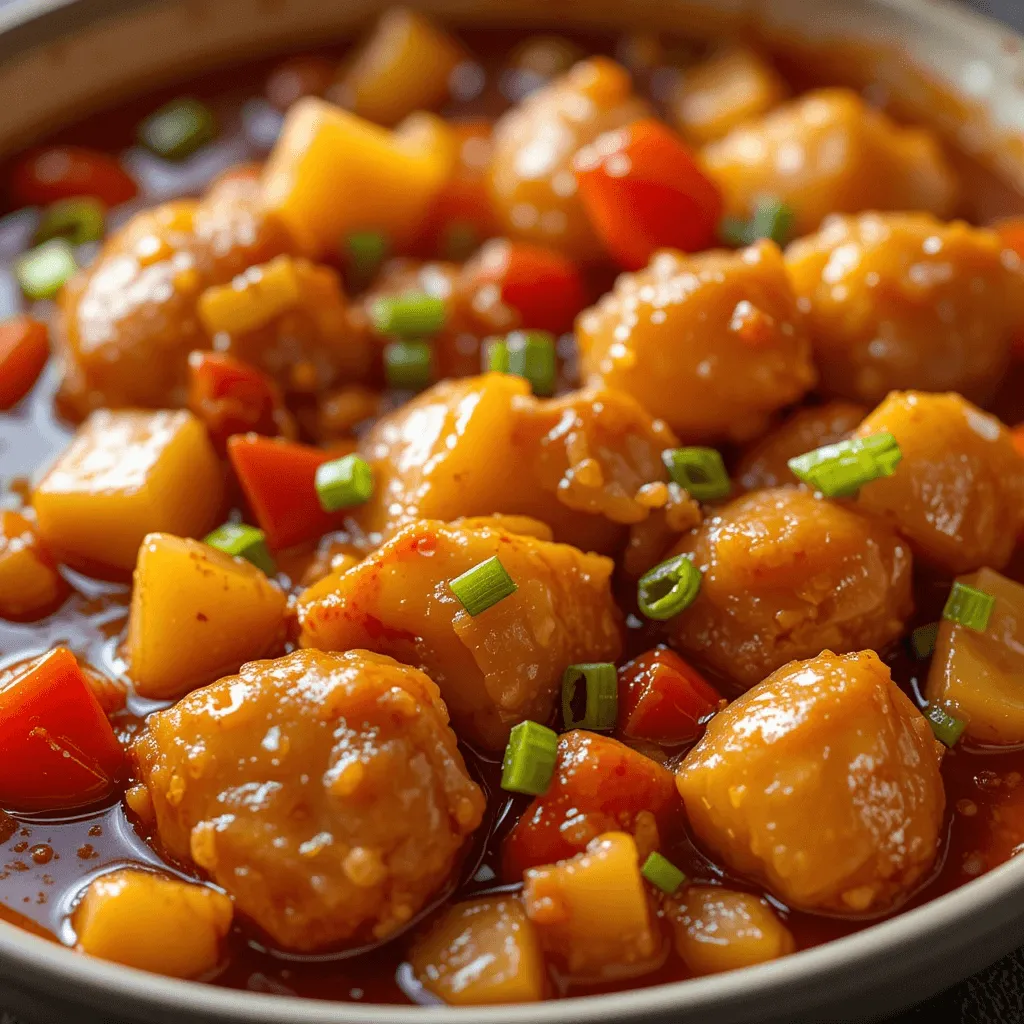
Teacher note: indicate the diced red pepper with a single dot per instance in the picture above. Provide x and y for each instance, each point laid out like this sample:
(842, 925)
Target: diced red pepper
(644, 190)
(232, 397)
(24, 349)
(279, 481)
(599, 785)
(1017, 434)
(63, 172)
(664, 700)
(542, 286)
(57, 749)
(1011, 232)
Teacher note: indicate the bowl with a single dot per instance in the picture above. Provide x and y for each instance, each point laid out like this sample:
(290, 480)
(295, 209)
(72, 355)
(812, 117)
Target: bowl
(937, 62)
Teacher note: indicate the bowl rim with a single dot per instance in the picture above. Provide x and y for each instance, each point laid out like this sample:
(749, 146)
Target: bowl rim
(25, 24)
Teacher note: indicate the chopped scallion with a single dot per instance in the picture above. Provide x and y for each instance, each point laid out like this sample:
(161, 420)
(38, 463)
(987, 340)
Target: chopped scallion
(840, 470)
(946, 727)
(79, 220)
(668, 588)
(922, 640)
(772, 219)
(42, 271)
(483, 586)
(178, 129)
(530, 758)
(496, 355)
(407, 365)
(343, 483)
(700, 471)
(531, 354)
(412, 315)
(243, 541)
(969, 607)
(601, 696)
(365, 251)
(662, 873)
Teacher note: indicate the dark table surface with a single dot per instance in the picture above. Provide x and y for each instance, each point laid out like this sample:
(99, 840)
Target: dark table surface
(995, 996)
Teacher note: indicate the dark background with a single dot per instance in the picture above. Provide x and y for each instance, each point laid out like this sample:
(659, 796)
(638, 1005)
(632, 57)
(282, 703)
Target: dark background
(995, 996)
(1010, 11)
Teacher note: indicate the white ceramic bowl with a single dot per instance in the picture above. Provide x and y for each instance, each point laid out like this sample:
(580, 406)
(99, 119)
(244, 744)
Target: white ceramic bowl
(60, 58)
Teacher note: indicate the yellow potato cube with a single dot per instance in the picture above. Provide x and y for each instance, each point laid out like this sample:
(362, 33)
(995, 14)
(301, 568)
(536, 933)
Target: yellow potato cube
(124, 475)
(730, 87)
(481, 952)
(405, 65)
(197, 614)
(977, 676)
(720, 930)
(593, 914)
(332, 173)
(154, 923)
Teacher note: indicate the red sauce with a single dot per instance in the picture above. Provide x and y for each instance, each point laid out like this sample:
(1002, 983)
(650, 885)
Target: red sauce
(47, 861)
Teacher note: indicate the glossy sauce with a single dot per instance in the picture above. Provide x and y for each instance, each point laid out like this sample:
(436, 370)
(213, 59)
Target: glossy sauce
(46, 862)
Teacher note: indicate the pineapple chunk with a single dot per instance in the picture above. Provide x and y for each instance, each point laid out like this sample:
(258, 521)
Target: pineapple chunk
(720, 930)
(30, 585)
(481, 952)
(124, 475)
(404, 66)
(197, 614)
(593, 914)
(333, 173)
(977, 676)
(153, 923)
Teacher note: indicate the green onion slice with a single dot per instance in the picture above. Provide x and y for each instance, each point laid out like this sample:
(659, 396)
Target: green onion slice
(969, 607)
(530, 758)
(772, 219)
(79, 220)
(947, 729)
(343, 483)
(531, 355)
(483, 586)
(840, 470)
(177, 130)
(601, 693)
(668, 588)
(42, 271)
(922, 640)
(662, 873)
(412, 315)
(496, 355)
(243, 541)
(700, 471)
(365, 252)
(407, 365)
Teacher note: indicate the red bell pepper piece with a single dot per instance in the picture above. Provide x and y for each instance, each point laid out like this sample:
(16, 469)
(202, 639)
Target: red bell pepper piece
(24, 349)
(279, 481)
(1017, 435)
(664, 700)
(541, 285)
(599, 785)
(1011, 233)
(644, 190)
(232, 397)
(57, 749)
(63, 172)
